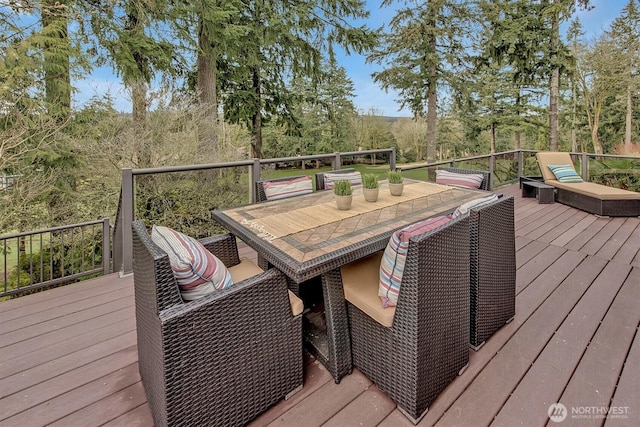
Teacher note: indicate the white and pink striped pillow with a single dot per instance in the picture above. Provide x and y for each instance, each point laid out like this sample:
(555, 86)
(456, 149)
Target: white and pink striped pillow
(395, 255)
(289, 188)
(355, 178)
(197, 271)
(472, 180)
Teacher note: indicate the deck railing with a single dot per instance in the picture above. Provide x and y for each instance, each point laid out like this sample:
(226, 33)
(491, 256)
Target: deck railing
(42, 265)
(122, 237)
(37, 259)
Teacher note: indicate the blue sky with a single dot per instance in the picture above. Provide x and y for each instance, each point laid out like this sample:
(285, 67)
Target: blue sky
(368, 94)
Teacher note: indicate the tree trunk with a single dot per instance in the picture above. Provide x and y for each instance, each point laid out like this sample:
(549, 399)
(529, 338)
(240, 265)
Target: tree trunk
(493, 138)
(57, 74)
(432, 114)
(554, 84)
(627, 125)
(256, 131)
(516, 134)
(207, 81)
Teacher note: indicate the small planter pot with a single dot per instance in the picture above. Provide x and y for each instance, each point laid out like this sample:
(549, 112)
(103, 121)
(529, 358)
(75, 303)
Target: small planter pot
(396, 189)
(370, 194)
(344, 202)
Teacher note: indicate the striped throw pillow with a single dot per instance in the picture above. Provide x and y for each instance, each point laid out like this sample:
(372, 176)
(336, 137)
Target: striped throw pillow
(565, 173)
(395, 255)
(197, 271)
(289, 188)
(355, 178)
(472, 180)
(474, 204)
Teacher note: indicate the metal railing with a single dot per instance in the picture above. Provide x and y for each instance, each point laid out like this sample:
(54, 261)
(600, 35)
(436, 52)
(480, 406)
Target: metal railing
(37, 259)
(7, 181)
(122, 237)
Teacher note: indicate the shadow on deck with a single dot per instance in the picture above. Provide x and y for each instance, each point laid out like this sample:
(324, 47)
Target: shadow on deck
(68, 356)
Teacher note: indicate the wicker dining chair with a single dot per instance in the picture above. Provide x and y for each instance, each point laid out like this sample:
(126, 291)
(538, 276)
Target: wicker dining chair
(219, 360)
(492, 268)
(320, 176)
(486, 182)
(261, 195)
(425, 345)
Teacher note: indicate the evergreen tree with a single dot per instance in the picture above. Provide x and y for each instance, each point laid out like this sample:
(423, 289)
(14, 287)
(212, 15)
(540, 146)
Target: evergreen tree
(420, 52)
(625, 34)
(283, 40)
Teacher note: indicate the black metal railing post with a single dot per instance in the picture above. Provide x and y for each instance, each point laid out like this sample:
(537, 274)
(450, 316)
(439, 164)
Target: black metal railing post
(106, 246)
(255, 177)
(127, 220)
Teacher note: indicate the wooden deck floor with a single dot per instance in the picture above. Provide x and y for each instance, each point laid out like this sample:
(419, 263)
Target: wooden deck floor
(68, 356)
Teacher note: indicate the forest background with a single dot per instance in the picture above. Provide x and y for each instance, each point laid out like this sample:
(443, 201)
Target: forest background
(260, 79)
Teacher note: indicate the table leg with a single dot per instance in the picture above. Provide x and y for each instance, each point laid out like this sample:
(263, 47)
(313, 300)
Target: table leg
(338, 338)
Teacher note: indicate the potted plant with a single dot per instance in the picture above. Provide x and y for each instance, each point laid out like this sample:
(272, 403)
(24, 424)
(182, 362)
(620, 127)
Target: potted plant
(343, 192)
(370, 187)
(395, 182)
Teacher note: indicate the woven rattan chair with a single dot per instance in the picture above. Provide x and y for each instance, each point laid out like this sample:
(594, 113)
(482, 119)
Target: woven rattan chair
(219, 360)
(426, 345)
(486, 182)
(493, 269)
(320, 177)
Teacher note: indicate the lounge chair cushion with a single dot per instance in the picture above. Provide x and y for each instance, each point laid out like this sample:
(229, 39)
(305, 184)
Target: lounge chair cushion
(565, 173)
(360, 284)
(471, 180)
(247, 268)
(197, 271)
(476, 203)
(355, 178)
(598, 191)
(288, 188)
(395, 255)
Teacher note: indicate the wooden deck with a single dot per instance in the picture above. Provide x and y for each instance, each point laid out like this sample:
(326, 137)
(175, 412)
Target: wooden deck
(68, 356)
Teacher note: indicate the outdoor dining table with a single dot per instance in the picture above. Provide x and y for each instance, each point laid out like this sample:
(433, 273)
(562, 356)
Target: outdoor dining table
(307, 236)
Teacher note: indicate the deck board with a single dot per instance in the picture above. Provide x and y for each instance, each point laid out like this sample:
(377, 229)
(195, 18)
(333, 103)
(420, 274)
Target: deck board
(68, 355)
(594, 381)
(544, 382)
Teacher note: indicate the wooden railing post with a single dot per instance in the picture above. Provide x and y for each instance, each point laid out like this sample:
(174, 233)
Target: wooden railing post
(337, 161)
(255, 177)
(585, 167)
(127, 219)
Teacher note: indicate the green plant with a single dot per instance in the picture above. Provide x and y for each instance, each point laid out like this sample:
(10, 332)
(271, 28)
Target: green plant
(342, 188)
(370, 180)
(395, 177)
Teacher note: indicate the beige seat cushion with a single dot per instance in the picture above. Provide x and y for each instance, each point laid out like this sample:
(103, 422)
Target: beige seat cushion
(597, 191)
(360, 281)
(247, 269)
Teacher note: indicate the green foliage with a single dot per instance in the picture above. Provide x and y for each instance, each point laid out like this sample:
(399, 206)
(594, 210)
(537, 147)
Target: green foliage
(370, 180)
(342, 188)
(395, 177)
(61, 256)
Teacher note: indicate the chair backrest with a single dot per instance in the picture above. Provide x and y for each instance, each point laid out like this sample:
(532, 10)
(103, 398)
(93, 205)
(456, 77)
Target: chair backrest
(155, 284)
(437, 259)
(546, 158)
(486, 181)
(320, 177)
(281, 188)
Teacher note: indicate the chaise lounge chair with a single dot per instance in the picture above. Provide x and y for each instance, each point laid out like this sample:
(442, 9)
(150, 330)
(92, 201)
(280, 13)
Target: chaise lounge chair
(587, 196)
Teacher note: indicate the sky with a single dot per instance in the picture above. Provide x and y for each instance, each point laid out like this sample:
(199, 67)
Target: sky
(368, 95)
